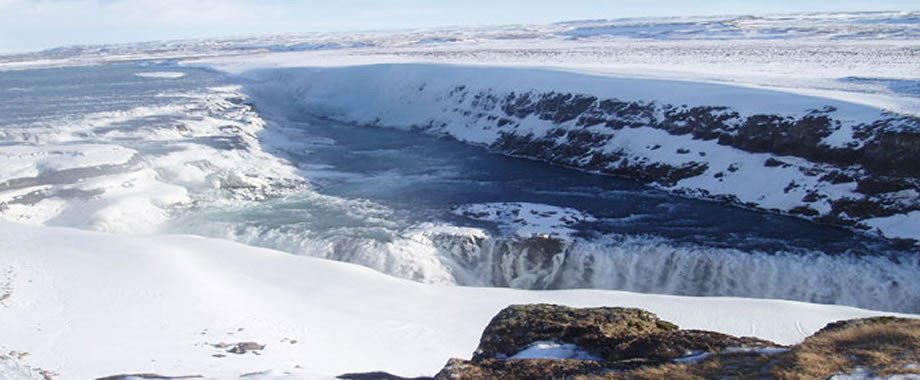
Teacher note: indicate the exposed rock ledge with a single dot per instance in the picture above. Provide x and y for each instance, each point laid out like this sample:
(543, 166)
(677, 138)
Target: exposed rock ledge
(549, 341)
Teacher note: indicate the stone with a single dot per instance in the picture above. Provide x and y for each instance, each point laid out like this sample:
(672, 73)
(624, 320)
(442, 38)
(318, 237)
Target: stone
(245, 347)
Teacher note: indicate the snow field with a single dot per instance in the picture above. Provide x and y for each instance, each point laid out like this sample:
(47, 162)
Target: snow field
(87, 304)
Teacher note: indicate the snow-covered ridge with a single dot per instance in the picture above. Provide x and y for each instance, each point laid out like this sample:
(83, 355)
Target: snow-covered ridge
(819, 158)
(161, 304)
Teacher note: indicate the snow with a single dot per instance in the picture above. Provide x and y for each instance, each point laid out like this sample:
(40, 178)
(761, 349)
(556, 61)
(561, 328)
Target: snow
(25, 161)
(743, 174)
(12, 369)
(796, 66)
(527, 219)
(553, 350)
(905, 226)
(86, 304)
(811, 53)
(161, 74)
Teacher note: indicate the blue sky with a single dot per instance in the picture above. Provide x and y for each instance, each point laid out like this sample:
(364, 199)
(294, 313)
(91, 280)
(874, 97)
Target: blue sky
(38, 24)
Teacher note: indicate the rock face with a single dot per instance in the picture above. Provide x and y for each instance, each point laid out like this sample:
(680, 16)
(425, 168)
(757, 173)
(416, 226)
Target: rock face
(621, 343)
(520, 262)
(615, 338)
(595, 330)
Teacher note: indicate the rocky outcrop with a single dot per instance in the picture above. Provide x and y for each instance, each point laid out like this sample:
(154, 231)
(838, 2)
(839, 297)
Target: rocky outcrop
(594, 330)
(619, 339)
(623, 343)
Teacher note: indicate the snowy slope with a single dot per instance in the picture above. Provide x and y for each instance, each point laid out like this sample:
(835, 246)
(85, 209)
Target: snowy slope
(86, 304)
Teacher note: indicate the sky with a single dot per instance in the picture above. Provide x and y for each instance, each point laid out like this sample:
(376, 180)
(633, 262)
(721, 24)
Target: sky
(29, 25)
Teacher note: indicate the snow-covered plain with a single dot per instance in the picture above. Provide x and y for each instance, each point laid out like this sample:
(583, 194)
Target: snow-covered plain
(87, 304)
(868, 57)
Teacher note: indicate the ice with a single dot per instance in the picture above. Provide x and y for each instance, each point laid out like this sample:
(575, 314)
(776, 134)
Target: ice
(553, 350)
(161, 74)
(905, 226)
(694, 357)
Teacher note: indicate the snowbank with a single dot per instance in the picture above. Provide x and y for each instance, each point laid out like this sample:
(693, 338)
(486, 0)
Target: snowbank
(86, 304)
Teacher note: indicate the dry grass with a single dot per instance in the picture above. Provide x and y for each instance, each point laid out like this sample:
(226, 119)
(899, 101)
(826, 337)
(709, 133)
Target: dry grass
(740, 365)
(885, 348)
